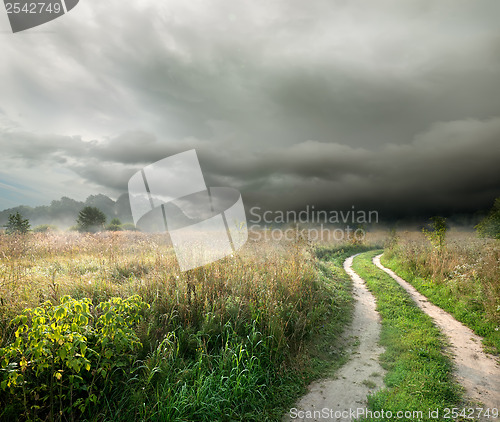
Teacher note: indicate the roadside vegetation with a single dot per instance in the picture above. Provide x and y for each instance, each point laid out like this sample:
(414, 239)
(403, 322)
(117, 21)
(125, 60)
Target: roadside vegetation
(489, 226)
(105, 327)
(419, 374)
(462, 277)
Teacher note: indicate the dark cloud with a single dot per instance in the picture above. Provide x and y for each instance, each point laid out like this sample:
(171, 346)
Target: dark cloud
(391, 105)
(451, 167)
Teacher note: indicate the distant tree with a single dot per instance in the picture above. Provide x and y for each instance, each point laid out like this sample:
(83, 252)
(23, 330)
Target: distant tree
(436, 235)
(17, 224)
(114, 225)
(489, 226)
(90, 219)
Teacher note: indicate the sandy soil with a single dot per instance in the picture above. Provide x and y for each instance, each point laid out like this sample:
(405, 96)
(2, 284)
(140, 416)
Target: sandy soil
(361, 375)
(477, 371)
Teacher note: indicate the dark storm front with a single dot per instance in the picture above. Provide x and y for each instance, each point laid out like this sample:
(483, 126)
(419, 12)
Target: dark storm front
(28, 14)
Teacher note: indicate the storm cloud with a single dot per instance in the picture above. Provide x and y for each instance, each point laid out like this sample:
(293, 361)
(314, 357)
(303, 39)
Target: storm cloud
(387, 105)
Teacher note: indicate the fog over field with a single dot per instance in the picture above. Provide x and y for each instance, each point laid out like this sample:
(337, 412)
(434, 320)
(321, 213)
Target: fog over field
(389, 106)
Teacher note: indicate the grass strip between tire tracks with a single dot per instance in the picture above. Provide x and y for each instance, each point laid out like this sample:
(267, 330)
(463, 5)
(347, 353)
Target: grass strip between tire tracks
(419, 377)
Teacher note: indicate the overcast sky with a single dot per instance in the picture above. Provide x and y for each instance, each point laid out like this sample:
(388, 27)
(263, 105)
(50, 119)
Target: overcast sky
(389, 105)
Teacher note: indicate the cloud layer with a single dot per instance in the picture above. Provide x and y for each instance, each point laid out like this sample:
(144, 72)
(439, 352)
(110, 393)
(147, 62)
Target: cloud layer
(391, 105)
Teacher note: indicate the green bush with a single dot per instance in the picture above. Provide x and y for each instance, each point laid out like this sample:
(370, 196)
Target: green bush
(436, 235)
(490, 225)
(113, 227)
(69, 355)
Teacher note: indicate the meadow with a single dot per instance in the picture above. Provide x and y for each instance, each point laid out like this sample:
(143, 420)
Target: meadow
(462, 278)
(105, 327)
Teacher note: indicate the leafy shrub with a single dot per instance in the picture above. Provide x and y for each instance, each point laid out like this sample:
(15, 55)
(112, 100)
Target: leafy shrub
(68, 356)
(116, 225)
(490, 225)
(113, 227)
(437, 233)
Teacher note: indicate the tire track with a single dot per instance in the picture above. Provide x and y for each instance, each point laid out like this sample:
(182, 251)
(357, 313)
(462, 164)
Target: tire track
(478, 372)
(356, 379)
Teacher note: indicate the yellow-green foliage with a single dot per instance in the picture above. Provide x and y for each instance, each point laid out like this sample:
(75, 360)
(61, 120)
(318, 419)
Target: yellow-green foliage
(437, 233)
(490, 225)
(66, 356)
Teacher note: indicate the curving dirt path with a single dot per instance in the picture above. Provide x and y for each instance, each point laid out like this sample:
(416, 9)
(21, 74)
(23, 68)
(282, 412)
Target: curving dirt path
(478, 372)
(361, 375)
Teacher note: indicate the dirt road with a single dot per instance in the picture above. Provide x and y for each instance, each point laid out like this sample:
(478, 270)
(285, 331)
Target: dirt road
(361, 375)
(477, 371)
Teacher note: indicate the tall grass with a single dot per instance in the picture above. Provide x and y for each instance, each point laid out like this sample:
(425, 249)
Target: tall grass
(463, 278)
(228, 341)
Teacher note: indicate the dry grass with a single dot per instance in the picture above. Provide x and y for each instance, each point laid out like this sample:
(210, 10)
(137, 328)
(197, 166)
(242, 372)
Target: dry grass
(264, 278)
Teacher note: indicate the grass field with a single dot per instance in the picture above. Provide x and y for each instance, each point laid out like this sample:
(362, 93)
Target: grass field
(463, 278)
(110, 329)
(105, 327)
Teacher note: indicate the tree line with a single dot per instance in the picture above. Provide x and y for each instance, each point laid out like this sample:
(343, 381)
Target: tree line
(90, 220)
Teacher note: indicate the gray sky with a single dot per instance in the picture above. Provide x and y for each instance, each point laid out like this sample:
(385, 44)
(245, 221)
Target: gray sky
(388, 105)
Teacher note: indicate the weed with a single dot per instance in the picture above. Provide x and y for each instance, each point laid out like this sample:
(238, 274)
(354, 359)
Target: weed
(369, 383)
